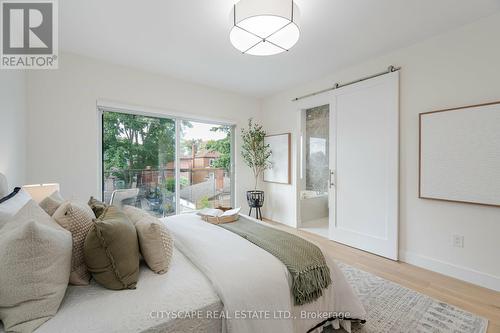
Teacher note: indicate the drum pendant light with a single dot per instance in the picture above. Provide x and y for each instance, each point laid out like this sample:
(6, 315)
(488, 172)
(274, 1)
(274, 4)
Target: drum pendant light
(264, 27)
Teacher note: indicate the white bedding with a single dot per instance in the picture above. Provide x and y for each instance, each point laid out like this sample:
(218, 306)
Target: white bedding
(249, 279)
(236, 276)
(183, 289)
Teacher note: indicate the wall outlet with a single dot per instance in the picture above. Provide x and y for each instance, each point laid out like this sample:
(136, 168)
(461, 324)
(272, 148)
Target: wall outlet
(458, 241)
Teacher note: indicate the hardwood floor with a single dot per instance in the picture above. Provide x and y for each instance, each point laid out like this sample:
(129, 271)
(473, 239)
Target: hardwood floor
(480, 301)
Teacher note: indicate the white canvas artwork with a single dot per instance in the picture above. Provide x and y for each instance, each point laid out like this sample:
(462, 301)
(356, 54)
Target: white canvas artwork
(460, 155)
(280, 159)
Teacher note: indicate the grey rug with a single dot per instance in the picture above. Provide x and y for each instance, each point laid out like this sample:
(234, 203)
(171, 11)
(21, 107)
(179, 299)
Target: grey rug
(391, 307)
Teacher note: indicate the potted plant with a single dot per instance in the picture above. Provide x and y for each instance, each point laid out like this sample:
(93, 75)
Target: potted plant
(256, 155)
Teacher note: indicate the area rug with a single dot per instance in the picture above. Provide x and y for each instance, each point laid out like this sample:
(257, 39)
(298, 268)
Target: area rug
(393, 308)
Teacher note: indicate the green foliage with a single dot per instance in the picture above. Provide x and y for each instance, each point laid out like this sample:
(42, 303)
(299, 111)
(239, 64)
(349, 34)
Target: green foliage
(168, 208)
(133, 142)
(184, 182)
(170, 183)
(203, 203)
(254, 151)
(223, 146)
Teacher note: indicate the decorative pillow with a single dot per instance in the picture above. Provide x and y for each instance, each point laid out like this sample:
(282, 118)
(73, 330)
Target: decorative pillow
(155, 242)
(97, 206)
(135, 214)
(35, 253)
(12, 204)
(51, 203)
(78, 219)
(112, 250)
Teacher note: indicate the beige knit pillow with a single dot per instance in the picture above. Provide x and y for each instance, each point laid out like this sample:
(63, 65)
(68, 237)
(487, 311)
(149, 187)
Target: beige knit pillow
(51, 203)
(35, 261)
(135, 214)
(155, 242)
(78, 218)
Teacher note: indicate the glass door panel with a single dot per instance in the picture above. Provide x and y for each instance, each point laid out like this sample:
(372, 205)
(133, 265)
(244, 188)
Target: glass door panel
(315, 188)
(205, 166)
(138, 157)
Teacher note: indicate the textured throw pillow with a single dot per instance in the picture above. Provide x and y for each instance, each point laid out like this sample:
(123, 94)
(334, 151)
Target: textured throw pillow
(51, 203)
(112, 250)
(155, 242)
(35, 257)
(12, 204)
(78, 219)
(97, 206)
(135, 214)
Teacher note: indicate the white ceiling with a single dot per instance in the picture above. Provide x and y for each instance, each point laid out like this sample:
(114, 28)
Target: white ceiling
(189, 39)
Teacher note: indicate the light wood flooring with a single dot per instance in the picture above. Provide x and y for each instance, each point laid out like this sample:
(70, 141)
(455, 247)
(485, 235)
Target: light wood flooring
(480, 301)
(318, 227)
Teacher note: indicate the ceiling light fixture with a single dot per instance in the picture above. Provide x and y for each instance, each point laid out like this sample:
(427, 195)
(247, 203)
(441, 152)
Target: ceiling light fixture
(264, 27)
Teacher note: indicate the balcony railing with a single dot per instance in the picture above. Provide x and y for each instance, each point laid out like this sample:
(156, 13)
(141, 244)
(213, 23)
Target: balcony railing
(199, 188)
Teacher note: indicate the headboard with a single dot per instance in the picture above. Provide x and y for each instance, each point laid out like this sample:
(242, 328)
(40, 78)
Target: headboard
(4, 188)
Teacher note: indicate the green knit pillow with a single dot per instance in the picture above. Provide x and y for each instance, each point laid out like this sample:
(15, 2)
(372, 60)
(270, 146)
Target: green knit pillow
(112, 250)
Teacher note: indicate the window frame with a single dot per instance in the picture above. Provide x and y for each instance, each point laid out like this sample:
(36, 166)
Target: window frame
(177, 118)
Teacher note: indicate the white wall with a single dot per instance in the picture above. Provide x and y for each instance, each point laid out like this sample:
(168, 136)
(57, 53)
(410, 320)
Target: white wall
(63, 125)
(458, 68)
(12, 126)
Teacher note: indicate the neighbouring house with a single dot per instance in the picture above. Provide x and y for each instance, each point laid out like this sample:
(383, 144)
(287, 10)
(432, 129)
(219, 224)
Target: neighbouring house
(197, 168)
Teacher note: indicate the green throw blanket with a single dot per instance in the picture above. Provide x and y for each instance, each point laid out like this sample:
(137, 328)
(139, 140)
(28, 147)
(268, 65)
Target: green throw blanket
(304, 260)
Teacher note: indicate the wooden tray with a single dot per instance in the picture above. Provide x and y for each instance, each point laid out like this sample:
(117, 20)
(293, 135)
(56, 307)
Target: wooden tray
(220, 220)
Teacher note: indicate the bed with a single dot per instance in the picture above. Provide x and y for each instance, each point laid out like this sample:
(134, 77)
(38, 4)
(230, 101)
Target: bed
(249, 279)
(152, 307)
(214, 275)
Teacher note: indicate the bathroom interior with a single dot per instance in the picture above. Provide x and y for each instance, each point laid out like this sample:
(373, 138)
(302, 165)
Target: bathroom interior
(315, 175)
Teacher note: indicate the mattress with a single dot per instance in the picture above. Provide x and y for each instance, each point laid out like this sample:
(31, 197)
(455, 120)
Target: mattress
(177, 301)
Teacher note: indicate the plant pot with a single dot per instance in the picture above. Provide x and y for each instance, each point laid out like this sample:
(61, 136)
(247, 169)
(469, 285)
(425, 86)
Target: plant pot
(255, 200)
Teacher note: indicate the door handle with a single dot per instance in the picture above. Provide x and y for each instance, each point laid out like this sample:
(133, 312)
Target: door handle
(332, 179)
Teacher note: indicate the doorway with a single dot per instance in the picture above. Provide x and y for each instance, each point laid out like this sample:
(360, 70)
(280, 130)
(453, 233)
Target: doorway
(314, 189)
(347, 188)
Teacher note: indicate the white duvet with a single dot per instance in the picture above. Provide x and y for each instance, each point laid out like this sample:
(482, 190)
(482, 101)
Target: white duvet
(183, 289)
(254, 286)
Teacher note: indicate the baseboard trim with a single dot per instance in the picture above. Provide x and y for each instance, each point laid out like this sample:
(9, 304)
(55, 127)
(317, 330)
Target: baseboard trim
(459, 272)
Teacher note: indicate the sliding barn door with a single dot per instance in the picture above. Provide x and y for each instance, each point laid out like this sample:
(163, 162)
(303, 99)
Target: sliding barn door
(366, 165)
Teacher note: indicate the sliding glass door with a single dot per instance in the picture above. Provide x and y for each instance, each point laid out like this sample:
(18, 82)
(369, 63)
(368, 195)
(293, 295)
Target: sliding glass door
(205, 166)
(165, 165)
